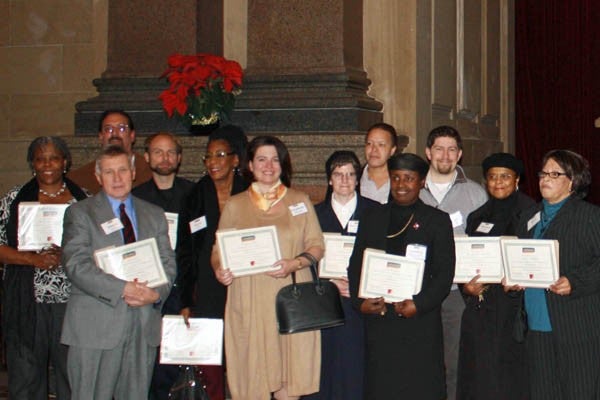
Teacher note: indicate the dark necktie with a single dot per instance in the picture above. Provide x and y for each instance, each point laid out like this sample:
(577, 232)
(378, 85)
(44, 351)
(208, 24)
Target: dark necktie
(128, 233)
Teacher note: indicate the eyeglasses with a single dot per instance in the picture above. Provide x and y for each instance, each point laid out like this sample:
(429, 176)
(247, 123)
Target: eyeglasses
(110, 129)
(218, 155)
(499, 177)
(551, 174)
(340, 175)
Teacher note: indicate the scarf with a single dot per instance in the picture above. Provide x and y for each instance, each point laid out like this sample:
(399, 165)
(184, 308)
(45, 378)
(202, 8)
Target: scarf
(266, 201)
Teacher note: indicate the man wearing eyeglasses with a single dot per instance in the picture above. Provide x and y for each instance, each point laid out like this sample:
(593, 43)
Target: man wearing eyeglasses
(115, 127)
(448, 188)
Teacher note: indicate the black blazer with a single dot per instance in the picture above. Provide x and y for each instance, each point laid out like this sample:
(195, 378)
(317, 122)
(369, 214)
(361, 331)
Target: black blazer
(576, 226)
(329, 221)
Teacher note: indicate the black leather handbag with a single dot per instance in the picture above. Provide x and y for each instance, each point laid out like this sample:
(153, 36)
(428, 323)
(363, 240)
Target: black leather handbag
(308, 306)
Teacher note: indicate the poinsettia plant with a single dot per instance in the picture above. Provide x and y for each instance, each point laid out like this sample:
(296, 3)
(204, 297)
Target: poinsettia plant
(202, 88)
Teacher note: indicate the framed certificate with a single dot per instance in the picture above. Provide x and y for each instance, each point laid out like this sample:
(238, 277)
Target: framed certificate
(249, 251)
(478, 256)
(172, 219)
(137, 260)
(395, 278)
(530, 262)
(40, 225)
(201, 343)
(338, 249)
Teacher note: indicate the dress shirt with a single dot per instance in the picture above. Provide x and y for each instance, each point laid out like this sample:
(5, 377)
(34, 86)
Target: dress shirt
(344, 212)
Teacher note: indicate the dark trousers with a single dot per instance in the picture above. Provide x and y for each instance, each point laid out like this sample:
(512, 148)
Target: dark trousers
(28, 368)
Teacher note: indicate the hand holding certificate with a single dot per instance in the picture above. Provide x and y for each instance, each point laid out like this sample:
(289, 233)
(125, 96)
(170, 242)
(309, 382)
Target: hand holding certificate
(338, 249)
(395, 278)
(40, 225)
(478, 256)
(135, 261)
(530, 263)
(249, 251)
(199, 344)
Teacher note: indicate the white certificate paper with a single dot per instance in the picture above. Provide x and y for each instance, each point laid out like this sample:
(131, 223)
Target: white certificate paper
(137, 260)
(395, 278)
(200, 344)
(40, 225)
(478, 256)
(249, 251)
(530, 262)
(172, 219)
(338, 249)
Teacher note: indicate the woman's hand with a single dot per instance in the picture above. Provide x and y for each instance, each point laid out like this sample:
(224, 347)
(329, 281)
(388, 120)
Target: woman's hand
(405, 308)
(225, 276)
(342, 285)
(373, 306)
(474, 288)
(186, 313)
(513, 288)
(48, 259)
(561, 287)
(286, 267)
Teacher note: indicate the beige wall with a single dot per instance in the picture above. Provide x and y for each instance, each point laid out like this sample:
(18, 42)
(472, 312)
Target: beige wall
(49, 53)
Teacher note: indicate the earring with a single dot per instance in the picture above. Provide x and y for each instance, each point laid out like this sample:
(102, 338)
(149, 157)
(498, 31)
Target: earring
(34, 173)
(64, 171)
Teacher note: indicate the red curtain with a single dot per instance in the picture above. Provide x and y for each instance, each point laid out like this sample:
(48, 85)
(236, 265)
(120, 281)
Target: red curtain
(557, 83)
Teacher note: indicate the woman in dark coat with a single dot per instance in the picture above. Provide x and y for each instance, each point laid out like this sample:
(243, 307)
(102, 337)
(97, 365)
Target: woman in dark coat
(563, 341)
(404, 345)
(202, 296)
(342, 347)
(491, 363)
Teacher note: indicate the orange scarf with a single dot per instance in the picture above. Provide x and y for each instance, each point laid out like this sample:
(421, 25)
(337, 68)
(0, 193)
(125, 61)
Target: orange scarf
(266, 201)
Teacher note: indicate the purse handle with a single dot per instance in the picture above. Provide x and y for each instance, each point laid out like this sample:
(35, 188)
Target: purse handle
(313, 271)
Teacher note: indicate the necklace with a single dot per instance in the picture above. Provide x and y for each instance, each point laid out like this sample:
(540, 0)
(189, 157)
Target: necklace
(403, 229)
(53, 195)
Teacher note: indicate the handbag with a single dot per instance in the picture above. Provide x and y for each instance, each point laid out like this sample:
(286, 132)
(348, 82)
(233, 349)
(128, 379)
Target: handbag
(308, 306)
(188, 385)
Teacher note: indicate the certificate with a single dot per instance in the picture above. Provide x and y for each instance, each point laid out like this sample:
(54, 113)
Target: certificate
(40, 225)
(137, 260)
(478, 256)
(249, 251)
(530, 263)
(338, 249)
(395, 278)
(172, 219)
(201, 343)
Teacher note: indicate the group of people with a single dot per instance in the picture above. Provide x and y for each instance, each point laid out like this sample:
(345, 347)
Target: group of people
(101, 333)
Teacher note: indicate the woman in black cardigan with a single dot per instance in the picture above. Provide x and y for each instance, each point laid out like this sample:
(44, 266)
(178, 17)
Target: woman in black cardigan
(563, 341)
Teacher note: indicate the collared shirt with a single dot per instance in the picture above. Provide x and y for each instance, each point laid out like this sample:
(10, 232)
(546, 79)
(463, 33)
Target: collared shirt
(344, 212)
(369, 189)
(114, 205)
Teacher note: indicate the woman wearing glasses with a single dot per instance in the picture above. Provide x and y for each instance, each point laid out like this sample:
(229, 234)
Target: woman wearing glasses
(563, 341)
(491, 364)
(202, 296)
(342, 347)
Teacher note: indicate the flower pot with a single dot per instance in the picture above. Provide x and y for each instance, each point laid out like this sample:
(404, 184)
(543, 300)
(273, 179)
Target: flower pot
(203, 130)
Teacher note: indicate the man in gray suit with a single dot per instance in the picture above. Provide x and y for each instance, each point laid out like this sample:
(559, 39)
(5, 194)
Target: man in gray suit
(112, 326)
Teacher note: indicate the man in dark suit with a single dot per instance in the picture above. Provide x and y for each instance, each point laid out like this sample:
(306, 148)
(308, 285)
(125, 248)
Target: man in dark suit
(112, 326)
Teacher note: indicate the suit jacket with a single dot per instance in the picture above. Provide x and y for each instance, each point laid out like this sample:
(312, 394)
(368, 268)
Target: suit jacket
(329, 221)
(576, 226)
(96, 314)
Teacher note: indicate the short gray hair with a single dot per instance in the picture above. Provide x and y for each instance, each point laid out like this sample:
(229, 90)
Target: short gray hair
(113, 151)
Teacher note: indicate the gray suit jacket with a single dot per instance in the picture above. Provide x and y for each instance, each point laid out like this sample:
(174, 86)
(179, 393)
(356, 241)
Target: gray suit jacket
(96, 314)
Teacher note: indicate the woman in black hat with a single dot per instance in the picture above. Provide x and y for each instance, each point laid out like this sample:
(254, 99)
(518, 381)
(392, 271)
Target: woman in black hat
(491, 363)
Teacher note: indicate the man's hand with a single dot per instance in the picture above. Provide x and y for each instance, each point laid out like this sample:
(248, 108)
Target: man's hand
(138, 294)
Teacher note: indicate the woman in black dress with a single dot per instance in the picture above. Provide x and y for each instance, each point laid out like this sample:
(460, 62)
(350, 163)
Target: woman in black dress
(491, 363)
(404, 345)
(342, 347)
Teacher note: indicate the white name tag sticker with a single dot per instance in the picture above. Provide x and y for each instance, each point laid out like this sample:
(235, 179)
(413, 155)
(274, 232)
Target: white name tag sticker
(111, 226)
(484, 227)
(353, 226)
(456, 218)
(297, 209)
(534, 220)
(416, 252)
(198, 224)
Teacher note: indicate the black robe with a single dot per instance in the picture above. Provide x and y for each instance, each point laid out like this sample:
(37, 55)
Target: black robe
(491, 364)
(405, 356)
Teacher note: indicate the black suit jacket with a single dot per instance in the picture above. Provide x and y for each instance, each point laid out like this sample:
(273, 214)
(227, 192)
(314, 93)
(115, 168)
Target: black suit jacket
(329, 221)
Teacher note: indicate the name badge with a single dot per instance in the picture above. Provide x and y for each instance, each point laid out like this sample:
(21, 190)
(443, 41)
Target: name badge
(353, 226)
(416, 252)
(484, 227)
(456, 218)
(534, 220)
(297, 209)
(198, 224)
(111, 226)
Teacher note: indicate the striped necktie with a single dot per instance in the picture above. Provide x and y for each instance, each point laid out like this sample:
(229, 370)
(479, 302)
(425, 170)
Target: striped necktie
(128, 233)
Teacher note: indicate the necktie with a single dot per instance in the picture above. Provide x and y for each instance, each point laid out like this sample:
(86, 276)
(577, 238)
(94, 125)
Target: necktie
(128, 233)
